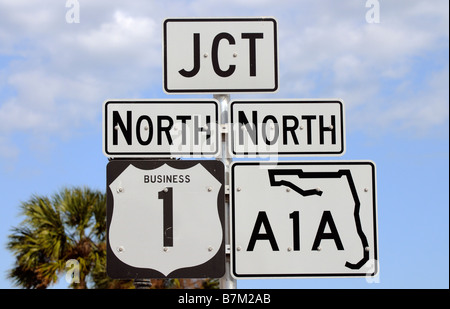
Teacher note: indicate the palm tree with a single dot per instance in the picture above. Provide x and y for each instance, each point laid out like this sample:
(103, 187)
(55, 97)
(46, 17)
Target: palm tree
(69, 226)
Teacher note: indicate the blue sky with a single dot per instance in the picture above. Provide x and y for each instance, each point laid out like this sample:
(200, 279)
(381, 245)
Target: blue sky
(392, 75)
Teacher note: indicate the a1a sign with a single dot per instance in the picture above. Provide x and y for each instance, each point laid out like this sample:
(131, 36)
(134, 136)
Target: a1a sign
(220, 55)
(304, 219)
(165, 219)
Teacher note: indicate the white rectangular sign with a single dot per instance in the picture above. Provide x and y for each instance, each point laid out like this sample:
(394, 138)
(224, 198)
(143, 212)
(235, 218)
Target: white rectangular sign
(271, 128)
(161, 128)
(304, 219)
(220, 55)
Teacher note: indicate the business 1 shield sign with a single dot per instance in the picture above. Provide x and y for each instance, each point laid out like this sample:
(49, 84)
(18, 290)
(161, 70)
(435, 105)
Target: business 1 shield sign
(165, 219)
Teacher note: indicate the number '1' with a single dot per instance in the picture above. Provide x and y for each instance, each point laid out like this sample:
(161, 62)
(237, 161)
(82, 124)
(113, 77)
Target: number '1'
(295, 216)
(167, 196)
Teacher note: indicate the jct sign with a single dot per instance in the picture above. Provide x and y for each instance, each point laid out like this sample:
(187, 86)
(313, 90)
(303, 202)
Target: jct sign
(220, 55)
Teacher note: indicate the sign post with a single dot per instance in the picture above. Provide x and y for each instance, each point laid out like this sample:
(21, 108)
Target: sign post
(221, 56)
(227, 281)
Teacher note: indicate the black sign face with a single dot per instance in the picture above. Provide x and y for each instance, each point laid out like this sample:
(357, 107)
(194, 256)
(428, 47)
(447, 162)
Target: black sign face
(165, 219)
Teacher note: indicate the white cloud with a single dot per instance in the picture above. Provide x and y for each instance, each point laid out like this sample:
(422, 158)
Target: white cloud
(57, 73)
(374, 68)
(63, 76)
(428, 107)
(124, 35)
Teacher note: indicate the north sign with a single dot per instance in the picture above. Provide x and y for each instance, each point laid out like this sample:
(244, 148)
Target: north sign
(161, 128)
(271, 128)
(165, 219)
(220, 55)
(303, 219)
